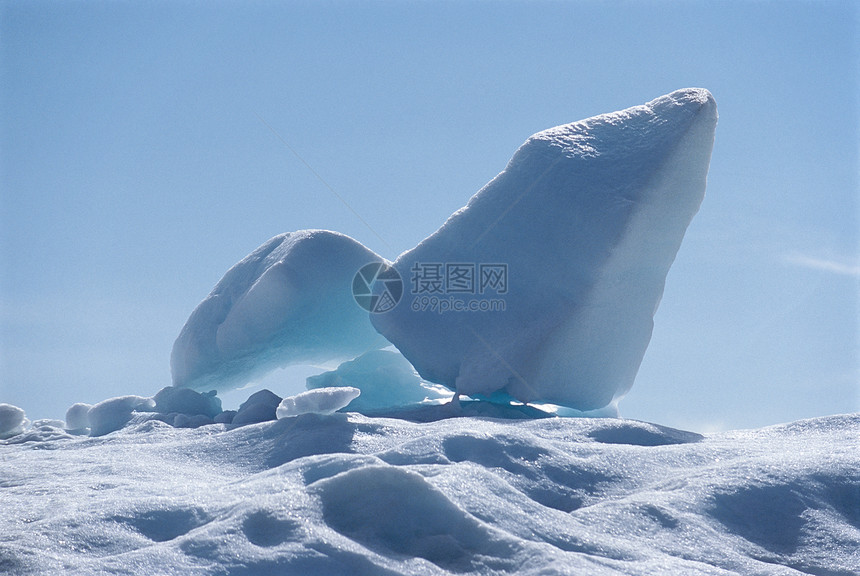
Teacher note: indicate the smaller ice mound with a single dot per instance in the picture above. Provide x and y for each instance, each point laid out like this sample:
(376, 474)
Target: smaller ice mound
(112, 414)
(76, 417)
(288, 302)
(323, 401)
(12, 421)
(386, 379)
(172, 400)
(260, 406)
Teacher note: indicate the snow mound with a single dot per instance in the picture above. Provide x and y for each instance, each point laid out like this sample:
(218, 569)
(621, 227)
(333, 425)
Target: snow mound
(112, 414)
(76, 416)
(386, 380)
(12, 420)
(185, 401)
(260, 406)
(322, 401)
(399, 512)
(559, 263)
(288, 302)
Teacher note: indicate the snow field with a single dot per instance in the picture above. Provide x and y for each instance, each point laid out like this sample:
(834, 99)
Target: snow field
(349, 494)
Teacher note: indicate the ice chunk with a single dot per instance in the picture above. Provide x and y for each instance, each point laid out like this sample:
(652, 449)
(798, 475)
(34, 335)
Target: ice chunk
(259, 407)
(114, 413)
(185, 401)
(320, 401)
(559, 263)
(386, 379)
(225, 417)
(288, 302)
(12, 421)
(76, 416)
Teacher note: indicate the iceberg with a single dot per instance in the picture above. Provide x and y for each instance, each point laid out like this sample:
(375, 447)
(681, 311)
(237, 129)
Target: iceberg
(544, 286)
(288, 302)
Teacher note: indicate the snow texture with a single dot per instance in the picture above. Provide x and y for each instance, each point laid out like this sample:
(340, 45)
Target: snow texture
(386, 380)
(114, 413)
(587, 218)
(12, 420)
(288, 302)
(322, 401)
(474, 496)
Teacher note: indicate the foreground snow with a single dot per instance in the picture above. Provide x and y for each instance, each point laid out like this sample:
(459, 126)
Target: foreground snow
(351, 494)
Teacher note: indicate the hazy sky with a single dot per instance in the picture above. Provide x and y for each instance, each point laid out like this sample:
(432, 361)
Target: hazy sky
(137, 165)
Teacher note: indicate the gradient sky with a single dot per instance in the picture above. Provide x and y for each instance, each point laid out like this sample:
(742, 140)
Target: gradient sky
(137, 165)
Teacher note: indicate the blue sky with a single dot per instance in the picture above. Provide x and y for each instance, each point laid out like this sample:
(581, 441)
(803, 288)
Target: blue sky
(136, 166)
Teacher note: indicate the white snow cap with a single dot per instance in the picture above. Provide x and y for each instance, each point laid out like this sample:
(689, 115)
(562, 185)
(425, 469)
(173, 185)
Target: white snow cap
(584, 222)
(288, 302)
(319, 401)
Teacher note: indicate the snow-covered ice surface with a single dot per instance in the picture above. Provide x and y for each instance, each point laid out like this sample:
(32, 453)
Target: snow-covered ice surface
(288, 302)
(350, 494)
(582, 226)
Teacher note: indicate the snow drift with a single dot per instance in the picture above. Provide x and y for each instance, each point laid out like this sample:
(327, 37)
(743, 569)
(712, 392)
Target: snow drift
(585, 221)
(357, 495)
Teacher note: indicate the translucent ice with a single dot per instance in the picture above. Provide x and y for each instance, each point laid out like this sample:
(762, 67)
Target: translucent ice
(386, 379)
(572, 242)
(288, 302)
